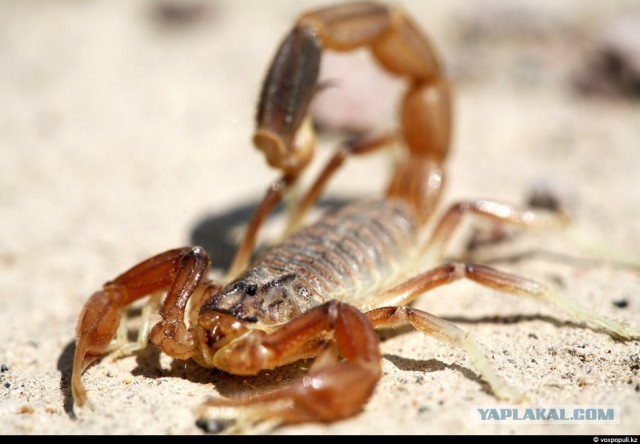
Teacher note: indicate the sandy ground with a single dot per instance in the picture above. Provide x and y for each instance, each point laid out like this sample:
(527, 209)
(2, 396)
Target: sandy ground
(125, 131)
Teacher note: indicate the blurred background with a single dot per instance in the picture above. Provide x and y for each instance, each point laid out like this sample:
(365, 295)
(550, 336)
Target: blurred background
(125, 130)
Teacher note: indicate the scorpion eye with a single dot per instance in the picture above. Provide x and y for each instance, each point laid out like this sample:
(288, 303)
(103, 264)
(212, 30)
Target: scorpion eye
(251, 290)
(247, 289)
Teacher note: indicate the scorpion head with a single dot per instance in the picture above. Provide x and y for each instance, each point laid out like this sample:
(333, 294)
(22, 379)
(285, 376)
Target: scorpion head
(258, 297)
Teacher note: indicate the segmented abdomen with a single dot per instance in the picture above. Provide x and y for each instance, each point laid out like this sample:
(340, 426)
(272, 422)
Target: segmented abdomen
(349, 252)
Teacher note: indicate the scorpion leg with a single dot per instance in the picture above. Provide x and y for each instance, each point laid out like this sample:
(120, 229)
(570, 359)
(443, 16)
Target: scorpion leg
(331, 390)
(124, 348)
(434, 248)
(446, 332)
(489, 277)
(273, 197)
(179, 272)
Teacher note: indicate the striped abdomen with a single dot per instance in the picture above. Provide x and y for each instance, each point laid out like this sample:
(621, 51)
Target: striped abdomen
(349, 252)
(347, 255)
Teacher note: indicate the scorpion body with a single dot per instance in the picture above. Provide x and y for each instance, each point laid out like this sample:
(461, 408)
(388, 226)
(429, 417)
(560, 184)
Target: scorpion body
(321, 293)
(350, 254)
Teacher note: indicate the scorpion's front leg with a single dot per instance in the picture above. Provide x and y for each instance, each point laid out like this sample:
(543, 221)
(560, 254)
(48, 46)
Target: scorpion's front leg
(331, 390)
(180, 272)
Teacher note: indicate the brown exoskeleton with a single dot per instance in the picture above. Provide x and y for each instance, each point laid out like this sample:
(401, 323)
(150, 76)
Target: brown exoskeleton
(322, 292)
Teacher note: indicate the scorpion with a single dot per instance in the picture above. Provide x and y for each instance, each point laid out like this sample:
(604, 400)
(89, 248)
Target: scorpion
(324, 290)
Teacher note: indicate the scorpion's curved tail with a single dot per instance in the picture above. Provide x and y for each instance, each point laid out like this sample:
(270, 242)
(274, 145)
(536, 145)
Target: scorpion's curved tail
(284, 131)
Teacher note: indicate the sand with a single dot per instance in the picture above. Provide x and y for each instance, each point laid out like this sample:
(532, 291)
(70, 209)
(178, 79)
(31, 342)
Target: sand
(125, 131)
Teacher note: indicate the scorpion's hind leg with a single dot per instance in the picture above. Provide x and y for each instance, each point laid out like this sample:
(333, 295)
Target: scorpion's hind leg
(434, 247)
(179, 272)
(413, 288)
(489, 277)
(333, 389)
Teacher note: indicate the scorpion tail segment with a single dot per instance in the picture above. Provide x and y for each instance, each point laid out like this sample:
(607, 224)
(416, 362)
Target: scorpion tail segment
(348, 26)
(426, 126)
(96, 328)
(419, 182)
(406, 50)
(283, 127)
(426, 119)
(394, 39)
(446, 332)
(330, 391)
(284, 132)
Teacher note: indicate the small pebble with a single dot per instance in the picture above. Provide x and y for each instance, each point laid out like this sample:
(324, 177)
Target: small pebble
(621, 303)
(4, 368)
(213, 425)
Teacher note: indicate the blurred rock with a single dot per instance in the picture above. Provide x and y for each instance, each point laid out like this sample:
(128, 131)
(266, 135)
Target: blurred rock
(181, 13)
(614, 65)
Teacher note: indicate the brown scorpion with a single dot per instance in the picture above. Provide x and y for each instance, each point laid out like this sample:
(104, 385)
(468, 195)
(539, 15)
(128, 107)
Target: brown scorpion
(323, 291)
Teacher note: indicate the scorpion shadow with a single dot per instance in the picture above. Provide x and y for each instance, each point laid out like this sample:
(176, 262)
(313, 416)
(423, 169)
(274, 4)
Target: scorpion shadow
(148, 365)
(225, 384)
(64, 366)
(433, 365)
